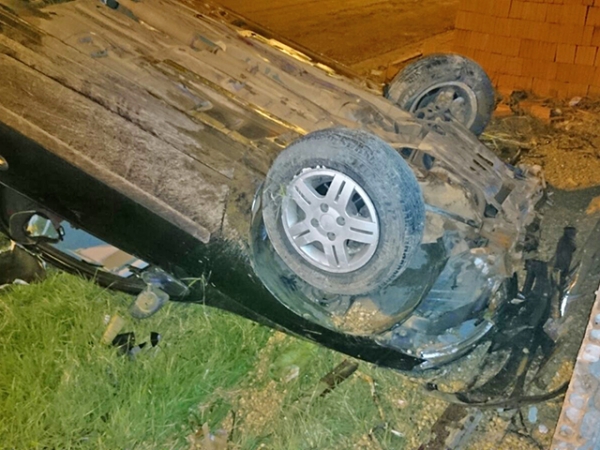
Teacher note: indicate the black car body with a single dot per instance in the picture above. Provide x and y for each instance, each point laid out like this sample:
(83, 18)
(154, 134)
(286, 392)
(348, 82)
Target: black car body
(155, 128)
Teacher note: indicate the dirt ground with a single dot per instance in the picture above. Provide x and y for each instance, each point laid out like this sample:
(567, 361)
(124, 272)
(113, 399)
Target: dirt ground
(567, 146)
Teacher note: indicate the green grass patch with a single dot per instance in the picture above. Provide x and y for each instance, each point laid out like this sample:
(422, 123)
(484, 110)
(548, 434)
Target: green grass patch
(60, 388)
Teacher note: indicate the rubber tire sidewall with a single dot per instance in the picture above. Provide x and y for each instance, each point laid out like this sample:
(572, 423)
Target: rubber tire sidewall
(387, 180)
(408, 86)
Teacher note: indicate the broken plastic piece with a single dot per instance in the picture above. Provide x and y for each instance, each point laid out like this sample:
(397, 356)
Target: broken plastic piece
(124, 342)
(115, 325)
(340, 373)
(158, 278)
(148, 302)
(155, 338)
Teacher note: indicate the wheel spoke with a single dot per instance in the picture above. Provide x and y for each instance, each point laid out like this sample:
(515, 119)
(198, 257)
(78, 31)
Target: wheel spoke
(346, 195)
(361, 225)
(450, 92)
(307, 238)
(329, 253)
(340, 251)
(361, 237)
(299, 228)
(304, 195)
(334, 188)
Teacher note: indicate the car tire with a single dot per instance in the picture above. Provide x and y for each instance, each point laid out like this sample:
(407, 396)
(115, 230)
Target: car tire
(446, 85)
(361, 179)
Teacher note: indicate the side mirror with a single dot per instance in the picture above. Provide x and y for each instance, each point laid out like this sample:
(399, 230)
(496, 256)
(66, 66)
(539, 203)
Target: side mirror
(31, 227)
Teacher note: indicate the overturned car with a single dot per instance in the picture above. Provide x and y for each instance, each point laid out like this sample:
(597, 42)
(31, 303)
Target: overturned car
(380, 227)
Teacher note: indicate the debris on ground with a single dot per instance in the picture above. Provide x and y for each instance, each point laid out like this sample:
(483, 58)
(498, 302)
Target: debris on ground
(17, 264)
(340, 373)
(561, 137)
(204, 439)
(536, 110)
(594, 206)
(115, 325)
(148, 302)
(125, 343)
(287, 365)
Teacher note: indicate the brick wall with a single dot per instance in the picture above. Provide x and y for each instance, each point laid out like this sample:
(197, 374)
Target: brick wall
(549, 47)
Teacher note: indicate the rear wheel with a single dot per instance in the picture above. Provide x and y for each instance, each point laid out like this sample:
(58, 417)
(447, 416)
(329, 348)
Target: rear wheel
(448, 86)
(343, 210)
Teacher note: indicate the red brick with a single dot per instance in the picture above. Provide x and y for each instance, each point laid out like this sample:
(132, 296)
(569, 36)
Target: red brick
(577, 90)
(594, 92)
(595, 81)
(498, 63)
(500, 8)
(593, 16)
(516, 9)
(461, 38)
(528, 10)
(515, 82)
(502, 110)
(535, 109)
(573, 14)
(533, 49)
(516, 27)
(483, 7)
(543, 88)
(573, 73)
(461, 20)
(566, 34)
(535, 12)
(554, 13)
(588, 34)
(514, 65)
(565, 53)
(502, 26)
(480, 22)
(596, 37)
(540, 69)
(470, 20)
(586, 55)
(550, 88)
(504, 45)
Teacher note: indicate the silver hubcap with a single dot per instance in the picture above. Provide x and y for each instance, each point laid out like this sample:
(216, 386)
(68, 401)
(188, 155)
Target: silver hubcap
(330, 221)
(448, 99)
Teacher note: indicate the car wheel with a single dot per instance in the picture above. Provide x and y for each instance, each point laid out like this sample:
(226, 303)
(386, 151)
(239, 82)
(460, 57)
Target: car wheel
(449, 86)
(343, 210)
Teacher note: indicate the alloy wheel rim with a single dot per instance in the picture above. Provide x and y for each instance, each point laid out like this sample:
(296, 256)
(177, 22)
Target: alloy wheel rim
(330, 221)
(449, 99)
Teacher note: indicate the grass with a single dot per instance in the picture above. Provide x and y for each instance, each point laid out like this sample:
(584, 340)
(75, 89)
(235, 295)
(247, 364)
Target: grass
(60, 388)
